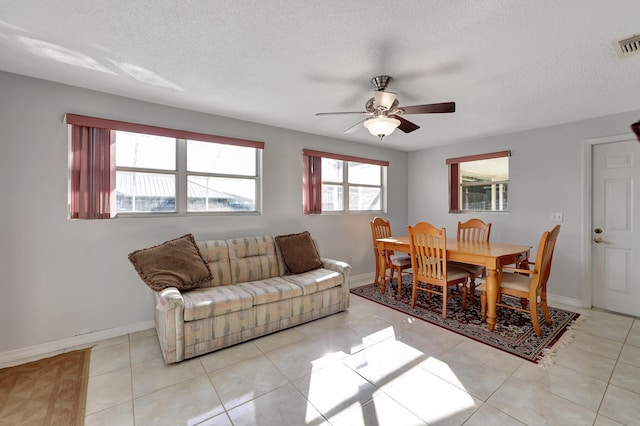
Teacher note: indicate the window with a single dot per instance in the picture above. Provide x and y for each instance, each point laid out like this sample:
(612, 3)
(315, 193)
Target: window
(332, 185)
(479, 182)
(363, 183)
(365, 186)
(217, 178)
(347, 184)
(221, 177)
(158, 170)
(146, 173)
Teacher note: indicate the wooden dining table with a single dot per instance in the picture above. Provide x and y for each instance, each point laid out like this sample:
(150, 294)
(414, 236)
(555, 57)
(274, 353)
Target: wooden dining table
(488, 254)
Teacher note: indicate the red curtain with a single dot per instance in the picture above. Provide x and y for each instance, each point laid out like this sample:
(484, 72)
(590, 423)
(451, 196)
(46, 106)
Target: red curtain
(93, 173)
(312, 184)
(312, 176)
(636, 129)
(103, 123)
(454, 188)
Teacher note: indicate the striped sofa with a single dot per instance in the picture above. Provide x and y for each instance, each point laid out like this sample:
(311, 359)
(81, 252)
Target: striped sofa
(251, 295)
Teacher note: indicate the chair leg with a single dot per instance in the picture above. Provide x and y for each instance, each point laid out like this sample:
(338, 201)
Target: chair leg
(414, 294)
(524, 301)
(375, 283)
(545, 311)
(472, 288)
(534, 317)
(483, 306)
(399, 282)
(464, 298)
(444, 300)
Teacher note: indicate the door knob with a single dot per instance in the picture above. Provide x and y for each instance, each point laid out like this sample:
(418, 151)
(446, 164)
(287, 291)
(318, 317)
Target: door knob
(597, 240)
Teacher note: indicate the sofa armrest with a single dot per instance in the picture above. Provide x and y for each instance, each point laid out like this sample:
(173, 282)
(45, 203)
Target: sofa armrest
(170, 324)
(338, 266)
(345, 269)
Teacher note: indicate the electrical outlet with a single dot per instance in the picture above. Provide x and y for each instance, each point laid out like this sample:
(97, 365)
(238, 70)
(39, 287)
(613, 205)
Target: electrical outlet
(349, 259)
(557, 217)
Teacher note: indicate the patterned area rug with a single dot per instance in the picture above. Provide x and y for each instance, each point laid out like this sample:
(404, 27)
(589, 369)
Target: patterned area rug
(513, 333)
(50, 391)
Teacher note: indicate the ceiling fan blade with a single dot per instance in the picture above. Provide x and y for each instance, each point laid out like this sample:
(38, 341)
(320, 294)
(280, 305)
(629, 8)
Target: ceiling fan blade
(405, 125)
(354, 127)
(384, 99)
(430, 108)
(342, 113)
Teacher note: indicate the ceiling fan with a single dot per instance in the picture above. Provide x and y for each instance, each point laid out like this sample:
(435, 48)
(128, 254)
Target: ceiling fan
(385, 114)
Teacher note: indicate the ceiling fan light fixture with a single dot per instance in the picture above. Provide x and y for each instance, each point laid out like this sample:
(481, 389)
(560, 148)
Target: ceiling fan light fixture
(381, 126)
(386, 114)
(384, 100)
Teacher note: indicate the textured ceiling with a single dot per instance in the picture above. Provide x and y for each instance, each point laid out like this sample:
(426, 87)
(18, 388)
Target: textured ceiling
(509, 65)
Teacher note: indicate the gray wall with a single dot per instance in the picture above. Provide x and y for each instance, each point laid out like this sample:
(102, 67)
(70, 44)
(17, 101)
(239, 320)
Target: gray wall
(547, 174)
(60, 277)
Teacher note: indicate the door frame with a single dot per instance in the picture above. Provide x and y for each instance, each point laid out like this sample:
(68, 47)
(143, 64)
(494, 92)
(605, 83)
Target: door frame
(587, 219)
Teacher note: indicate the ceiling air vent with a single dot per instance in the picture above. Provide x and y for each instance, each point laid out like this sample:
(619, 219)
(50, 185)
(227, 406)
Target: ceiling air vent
(628, 46)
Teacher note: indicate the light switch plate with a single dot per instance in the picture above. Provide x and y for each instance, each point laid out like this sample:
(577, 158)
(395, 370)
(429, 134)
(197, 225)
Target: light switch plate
(557, 216)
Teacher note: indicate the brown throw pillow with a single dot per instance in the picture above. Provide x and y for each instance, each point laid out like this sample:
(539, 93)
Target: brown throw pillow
(299, 252)
(175, 263)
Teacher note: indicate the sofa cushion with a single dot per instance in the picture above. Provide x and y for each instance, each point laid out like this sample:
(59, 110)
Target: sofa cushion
(252, 259)
(216, 253)
(317, 280)
(271, 290)
(299, 252)
(175, 263)
(214, 301)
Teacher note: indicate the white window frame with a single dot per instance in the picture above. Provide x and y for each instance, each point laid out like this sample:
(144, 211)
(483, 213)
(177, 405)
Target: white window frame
(346, 186)
(181, 181)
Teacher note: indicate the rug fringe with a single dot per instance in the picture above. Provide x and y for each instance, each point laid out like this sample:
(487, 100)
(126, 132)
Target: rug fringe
(549, 354)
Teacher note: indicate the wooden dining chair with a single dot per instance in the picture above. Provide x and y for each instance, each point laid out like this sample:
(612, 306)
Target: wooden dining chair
(381, 228)
(529, 285)
(478, 231)
(430, 267)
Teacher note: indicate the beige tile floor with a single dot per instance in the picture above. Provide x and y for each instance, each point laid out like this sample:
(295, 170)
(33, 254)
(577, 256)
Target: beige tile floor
(370, 365)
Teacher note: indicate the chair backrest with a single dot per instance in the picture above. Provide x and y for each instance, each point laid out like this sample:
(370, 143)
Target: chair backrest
(474, 230)
(380, 228)
(428, 253)
(544, 257)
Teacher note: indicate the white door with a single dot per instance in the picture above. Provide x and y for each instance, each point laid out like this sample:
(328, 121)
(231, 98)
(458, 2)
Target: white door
(615, 233)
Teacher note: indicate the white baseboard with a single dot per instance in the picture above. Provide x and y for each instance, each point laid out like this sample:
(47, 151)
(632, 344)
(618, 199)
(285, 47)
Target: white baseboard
(31, 353)
(554, 299)
(13, 357)
(368, 278)
(362, 279)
